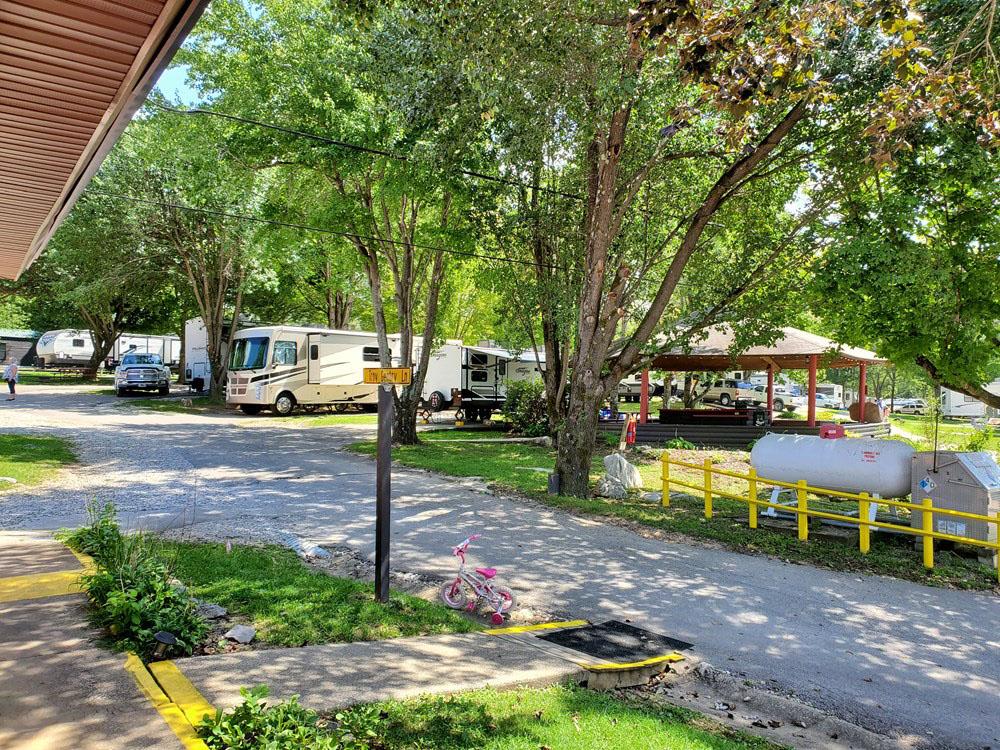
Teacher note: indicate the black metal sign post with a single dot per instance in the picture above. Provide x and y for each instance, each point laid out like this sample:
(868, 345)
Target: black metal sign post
(386, 378)
(383, 468)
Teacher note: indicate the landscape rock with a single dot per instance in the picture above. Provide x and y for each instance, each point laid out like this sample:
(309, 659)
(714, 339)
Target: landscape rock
(618, 468)
(210, 611)
(612, 488)
(652, 497)
(9, 480)
(241, 633)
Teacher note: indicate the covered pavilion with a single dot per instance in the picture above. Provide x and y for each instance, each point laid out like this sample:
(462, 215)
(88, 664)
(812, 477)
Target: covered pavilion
(794, 350)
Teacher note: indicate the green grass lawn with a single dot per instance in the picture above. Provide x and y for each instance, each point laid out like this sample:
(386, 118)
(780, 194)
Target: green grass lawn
(199, 404)
(952, 433)
(32, 460)
(329, 420)
(514, 465)
(56, 377)
(291, 605)
(558, 718)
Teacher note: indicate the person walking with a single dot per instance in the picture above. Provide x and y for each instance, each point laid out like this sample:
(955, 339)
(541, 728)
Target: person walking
(10, 375)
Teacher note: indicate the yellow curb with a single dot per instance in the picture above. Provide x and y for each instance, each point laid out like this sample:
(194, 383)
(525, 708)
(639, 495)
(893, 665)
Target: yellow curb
(40, 585)
(172, 714)
(89, 566)
(542, 626)
(180, 690)
(672, 657)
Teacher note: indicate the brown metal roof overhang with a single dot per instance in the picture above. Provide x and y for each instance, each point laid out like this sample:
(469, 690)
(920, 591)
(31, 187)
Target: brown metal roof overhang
(72, 74)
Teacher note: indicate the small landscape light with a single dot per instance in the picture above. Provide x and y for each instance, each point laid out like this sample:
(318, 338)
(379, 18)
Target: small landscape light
(163, 639)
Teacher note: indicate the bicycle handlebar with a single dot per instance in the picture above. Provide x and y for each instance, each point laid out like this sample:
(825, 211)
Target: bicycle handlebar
(461, 548)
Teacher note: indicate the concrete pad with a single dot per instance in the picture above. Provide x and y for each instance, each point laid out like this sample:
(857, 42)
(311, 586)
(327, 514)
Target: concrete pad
(20, 556)
(59, 690)
(339, 675)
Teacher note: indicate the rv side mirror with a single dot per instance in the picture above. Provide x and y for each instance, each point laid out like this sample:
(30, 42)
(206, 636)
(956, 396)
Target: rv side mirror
(314, 351)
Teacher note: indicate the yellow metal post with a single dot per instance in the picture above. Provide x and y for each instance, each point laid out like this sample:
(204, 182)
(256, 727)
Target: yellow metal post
(996, 550)
(803, 518)
(864, 530)
(665, 502)
(708, 488)
(928, 525)
(752, 496)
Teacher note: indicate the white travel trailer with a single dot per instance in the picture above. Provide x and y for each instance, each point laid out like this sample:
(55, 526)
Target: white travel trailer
(473, 377)
(955, 404)
(73, 347)
(281, 367)
(68, 347)
(168, 347)
(197, 368)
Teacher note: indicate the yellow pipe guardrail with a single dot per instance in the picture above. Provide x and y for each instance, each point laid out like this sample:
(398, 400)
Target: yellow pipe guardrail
(803, 512)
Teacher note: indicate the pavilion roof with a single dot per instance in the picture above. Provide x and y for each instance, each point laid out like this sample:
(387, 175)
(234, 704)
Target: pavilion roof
(792, 351)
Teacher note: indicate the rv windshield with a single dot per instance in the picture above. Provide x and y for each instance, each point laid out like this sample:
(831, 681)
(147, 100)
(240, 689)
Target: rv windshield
(249, 353)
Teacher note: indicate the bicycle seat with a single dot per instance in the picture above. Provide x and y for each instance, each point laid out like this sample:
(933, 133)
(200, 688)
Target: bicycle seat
(486, 572)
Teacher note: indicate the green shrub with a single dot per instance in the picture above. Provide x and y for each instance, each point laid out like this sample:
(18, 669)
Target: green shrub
(679, 444)
(130, 592)
(254, 725)
(100, 538)
(980, 439)
(525, 408)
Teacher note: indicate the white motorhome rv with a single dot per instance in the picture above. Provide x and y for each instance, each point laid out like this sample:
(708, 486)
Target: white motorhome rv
(955, 404)
(67, 347)
(281, 367)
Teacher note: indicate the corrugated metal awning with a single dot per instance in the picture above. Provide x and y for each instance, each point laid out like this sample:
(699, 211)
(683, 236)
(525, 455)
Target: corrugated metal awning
(72, 74)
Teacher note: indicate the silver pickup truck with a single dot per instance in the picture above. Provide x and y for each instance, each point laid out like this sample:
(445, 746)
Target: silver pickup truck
(142, 372)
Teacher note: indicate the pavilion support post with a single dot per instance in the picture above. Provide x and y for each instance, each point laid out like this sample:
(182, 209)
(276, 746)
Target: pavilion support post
(644, 397)
(770, 389)
(813, 365)
(862, 390)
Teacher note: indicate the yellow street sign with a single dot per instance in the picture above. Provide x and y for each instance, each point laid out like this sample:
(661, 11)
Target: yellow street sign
(388, 375)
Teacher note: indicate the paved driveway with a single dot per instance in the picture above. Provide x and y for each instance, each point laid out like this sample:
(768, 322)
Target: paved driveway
(897, 657)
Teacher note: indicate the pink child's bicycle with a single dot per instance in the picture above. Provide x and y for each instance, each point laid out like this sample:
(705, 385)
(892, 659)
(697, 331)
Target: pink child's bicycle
(456, 594)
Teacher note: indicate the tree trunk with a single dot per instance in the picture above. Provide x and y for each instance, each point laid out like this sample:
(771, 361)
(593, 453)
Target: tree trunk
(576, 441)
(969, 389)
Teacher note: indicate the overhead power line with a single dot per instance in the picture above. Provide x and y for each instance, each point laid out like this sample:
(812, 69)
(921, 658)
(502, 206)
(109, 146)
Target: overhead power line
(321, 230)
(356, 147)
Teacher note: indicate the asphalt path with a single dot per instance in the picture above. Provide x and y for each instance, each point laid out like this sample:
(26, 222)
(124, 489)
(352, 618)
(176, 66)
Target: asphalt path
(918, 663)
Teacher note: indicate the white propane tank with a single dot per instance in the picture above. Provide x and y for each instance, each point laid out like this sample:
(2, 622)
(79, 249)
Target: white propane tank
(853, 465)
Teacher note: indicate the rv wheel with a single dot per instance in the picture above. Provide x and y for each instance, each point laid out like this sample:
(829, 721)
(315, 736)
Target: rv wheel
(437, 401)
(340, 408)
(284, 404)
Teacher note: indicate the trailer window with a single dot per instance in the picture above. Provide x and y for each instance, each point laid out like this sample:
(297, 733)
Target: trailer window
(285, 352)
(3, 351)
(502, 368)
(78, 343)
(370, 354)
(477, 359)
(479, 376)
(249, 353)
(314, 352)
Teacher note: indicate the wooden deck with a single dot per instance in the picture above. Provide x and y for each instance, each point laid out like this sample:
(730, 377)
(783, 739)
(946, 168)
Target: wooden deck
(732, 436)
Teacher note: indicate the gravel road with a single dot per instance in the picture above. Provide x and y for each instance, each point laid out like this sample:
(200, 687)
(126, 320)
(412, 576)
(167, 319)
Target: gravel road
(919, 663)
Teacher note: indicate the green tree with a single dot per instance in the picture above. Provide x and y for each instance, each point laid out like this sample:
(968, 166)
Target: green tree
(685, 129)
(914, 265)
(313, 68)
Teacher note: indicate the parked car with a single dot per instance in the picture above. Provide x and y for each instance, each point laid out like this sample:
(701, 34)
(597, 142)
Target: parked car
(827, 402)
(787, 399)
(726, 392)
(630, 389)
(142, 372)
(912, 406)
